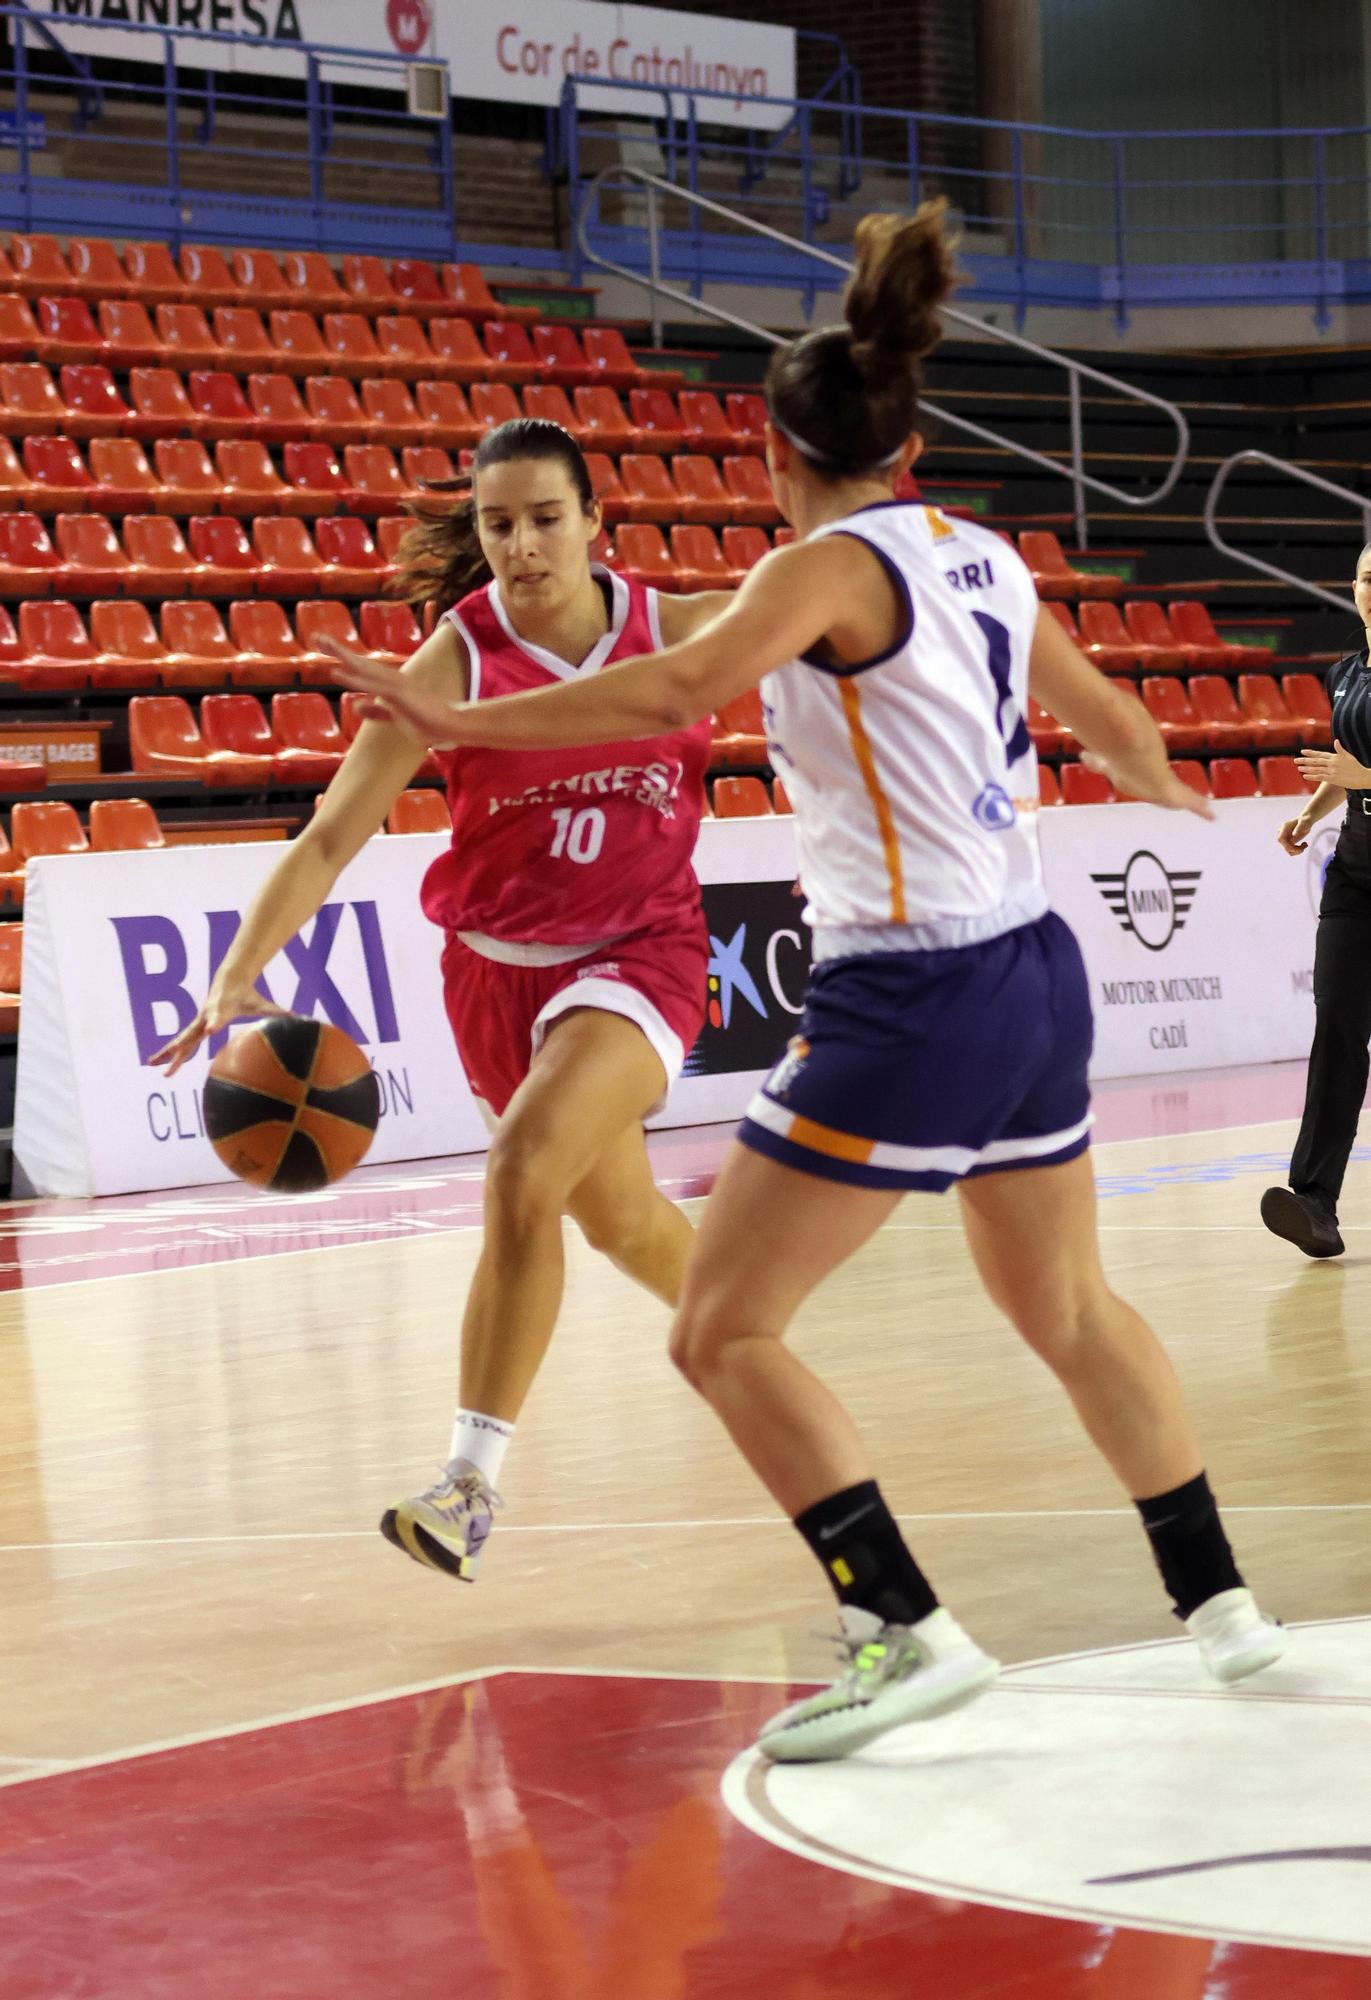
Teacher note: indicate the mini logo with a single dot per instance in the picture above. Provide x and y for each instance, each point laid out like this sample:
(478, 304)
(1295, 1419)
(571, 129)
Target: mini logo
(1151, 901)
(994, 810)
(410, 23)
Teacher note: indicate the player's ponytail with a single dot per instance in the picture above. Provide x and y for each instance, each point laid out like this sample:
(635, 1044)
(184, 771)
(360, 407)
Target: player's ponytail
(440, 559)
(847, 396)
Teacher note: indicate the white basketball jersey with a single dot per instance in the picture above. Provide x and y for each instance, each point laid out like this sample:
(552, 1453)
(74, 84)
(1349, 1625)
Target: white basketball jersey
(913, 776)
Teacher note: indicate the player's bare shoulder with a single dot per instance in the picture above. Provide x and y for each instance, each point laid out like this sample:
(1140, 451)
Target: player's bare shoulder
(682, 617)
(441, 664)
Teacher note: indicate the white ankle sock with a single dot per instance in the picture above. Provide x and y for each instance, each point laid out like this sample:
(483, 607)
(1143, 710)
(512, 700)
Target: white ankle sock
(481, 1441)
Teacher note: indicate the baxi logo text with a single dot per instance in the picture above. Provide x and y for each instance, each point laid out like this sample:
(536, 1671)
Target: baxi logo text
(1149, 900)
(157, 965)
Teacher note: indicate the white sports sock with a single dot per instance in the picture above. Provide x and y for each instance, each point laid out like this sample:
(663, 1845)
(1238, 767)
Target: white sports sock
(481, 1441)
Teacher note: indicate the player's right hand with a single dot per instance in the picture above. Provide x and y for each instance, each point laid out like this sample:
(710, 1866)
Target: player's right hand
(228, 1000)
(1145, 775)
(1294, 835)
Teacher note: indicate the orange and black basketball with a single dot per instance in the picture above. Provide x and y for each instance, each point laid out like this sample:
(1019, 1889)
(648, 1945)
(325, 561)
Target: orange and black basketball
(291, 1104)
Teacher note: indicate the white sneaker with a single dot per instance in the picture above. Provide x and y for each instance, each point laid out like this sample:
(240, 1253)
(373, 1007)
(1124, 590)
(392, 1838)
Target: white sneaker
(1235, 1638)
(896, 1674)
(447, 1527)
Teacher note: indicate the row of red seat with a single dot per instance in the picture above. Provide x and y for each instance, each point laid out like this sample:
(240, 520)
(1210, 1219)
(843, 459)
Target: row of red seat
(91, 268)
(1206, 714)
(1144, 638)
(1220, 778)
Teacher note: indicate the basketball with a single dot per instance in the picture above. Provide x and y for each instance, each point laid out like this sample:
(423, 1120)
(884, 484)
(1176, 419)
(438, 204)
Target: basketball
(291, 1104)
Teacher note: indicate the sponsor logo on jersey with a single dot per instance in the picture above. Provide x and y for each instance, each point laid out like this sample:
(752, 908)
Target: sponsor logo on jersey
(657, 785)
(1148, 899)
(994, 809)
(939, 528)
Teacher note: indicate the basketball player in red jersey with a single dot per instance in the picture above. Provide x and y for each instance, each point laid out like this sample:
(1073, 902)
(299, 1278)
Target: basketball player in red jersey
(575, 959)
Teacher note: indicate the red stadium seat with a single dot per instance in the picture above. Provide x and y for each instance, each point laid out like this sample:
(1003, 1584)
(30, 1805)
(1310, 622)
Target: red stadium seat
(20, 339)
(750, 490)
(243, 338)
(1082, 787)
(416, 281)
(367, 284)
(560, 356)
(494, 403)
(221, 409)
(29, 403)
(1192, 772)
(1192, 625)
(746, 413)
(647, 483)
(310, 745)
(199, 650)
(165, 742)
(337, 414)
(607, 487)
(1147, 627)
(391, 530)
(509, 353)
(269, 654)
(278, 414)
(161, 407)
(657, 418)
(1105, 640)
(469, 293)
(1232, 778)
(39, 266)
(744, 547)
(607, 355)
(259, 277)
(130, 652)
(208, 279)
(154, 276)
(706, 427)
(389, 413)
(641, 551)
(458, 354)
(187, 339)
(1216, 706)
(30, 563)
(188, 479)
(1307, 701)
(405, 348)
(252, 485)
(1054, 576)
(447, 415)
(1169, 706)
(120, 826)
(1263, 704)
(1049, 790)
(604, 425)
(352, 562)
(68, 330)
(313, 282)
(222, 546)
(419, 810)
(130, 338)
(46, 826)
(162, 564)
(740, 731)
(94, 407)
(316, 619)
(549, 402)
(96, 272)
(299, 345)
(1279, 778)
(389, 631)
(55, 647)
(699, 560)
(289, 565)
(701, 493)
(94, 563)
(236, 724)
(374, 481)
(123, 480)
(60, 482)
(351, 345)
(740, 798)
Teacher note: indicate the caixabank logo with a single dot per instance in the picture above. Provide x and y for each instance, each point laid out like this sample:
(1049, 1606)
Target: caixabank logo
(1149, 899)
(758, 965)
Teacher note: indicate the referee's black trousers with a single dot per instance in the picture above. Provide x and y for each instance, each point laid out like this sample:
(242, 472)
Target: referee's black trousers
(1338, 1061)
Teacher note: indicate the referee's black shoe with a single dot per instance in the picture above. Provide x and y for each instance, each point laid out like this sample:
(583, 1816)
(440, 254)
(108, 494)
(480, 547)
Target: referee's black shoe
(1306, 1220)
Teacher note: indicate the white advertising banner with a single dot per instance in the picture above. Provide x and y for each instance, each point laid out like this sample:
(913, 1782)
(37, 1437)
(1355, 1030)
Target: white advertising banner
(508, 51)
(1198, 936)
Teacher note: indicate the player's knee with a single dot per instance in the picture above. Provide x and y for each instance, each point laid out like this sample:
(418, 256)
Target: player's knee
(616, 1233)
(521, 1186)
(1063, 1324)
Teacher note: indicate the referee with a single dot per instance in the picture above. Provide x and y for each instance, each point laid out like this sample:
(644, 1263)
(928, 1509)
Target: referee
(1306, 1212)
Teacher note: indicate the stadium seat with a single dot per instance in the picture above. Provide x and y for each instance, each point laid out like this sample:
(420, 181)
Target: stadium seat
(163, 565)
(740, 731)
(1104, 638)
(164, 741)
(607, 487)
(278, 414)
(94, 563)
(550, 403)
(1192, 625)
(313, 282)
(161, 407)
(288, 563)
(657, 418)
(123, 480)
(447, 415)
(236, 724)
(647, 483)
(1049, 790)
(458, 354)
(129, 336)
(701, 494)
(1307, 701)
(46, 826)
(96, 272)
(130, 654)
(337, 414)
(68, 331)
(706, 427)
(1168, 703)
(252, 485)
(30, 563)
(419, 810)
(39, 266)
(749, 488)
(1050, 737)
(1083, 787)
(389, 631)
(744, 547)
(221, 410)
(1146, 625)
(405, 348)
(11, 974)
(1054, 576)
(187, 338)
(94, 407)
(509, 352)
(367, 284)
(352, 562)
(1232, 778)
(55, 648)
(208, 279)
(60, 483)
(495, 403)
(316, 619)
(29, 403)
(415, 281)
(309, 743)
(299, 345)
(603, 423)
(351, 345)
(740, 798)
(1279, 778)
(388, 414)
(10, 652)
(373, 480)
(152, 274)
(641, 551)
(243, 339)
(269, 654)
(119, 826)
(1192, 772)
(782, 537)
(747, 419)
(1216, 706)
(391, 530)
(199, 650)
(469, 293)
(259, 277)
(780, 798)
(11, 884)
(424, 466)
(560, 357)
(699, 560)
(222, 546)
(188, 479)
(607, 355)
(1263, 704)
(20, 339)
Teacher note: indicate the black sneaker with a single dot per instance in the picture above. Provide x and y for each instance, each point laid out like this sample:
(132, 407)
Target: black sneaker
(1304, 1220)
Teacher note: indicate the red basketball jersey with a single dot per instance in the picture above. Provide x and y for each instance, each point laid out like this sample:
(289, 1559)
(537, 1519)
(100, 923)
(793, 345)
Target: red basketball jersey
(565, 847)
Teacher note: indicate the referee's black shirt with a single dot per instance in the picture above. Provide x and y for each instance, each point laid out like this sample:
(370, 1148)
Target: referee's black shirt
(1349, 690)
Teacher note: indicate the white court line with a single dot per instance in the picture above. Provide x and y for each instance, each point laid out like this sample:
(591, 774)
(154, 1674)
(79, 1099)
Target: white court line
(661, 1527)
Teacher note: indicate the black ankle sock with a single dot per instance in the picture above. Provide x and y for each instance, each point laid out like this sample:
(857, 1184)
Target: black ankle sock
(864, 1556)
(1189, 1544)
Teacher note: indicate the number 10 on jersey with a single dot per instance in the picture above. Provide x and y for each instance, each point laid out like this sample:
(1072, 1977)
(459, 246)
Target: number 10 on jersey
(579, 835)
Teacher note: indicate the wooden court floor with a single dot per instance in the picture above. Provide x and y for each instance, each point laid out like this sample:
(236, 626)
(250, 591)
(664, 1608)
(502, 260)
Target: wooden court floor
(193, 1458)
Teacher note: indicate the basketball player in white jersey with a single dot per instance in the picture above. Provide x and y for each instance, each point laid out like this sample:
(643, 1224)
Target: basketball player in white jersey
(947, 1029)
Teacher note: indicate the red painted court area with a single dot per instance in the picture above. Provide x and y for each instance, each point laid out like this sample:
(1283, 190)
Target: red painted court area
(522, 1837)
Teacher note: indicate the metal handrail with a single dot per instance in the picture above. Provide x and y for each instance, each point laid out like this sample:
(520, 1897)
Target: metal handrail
(1076, 370)
(1284, 465)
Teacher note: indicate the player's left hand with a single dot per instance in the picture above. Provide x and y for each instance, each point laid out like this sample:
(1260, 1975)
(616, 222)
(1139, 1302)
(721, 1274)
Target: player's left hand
(1334, 767)
(387, 696)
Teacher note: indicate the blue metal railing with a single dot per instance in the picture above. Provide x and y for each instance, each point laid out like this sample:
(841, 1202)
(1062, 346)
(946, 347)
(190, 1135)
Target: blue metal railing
(158, 179)
(1053, 215)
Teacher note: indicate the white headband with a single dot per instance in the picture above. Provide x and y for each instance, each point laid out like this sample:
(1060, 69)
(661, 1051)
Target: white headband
(817, 457)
